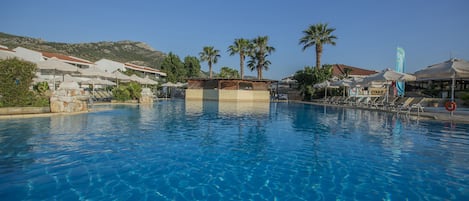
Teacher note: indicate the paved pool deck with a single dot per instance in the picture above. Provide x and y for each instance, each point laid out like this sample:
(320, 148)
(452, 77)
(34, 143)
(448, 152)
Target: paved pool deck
(461, 115)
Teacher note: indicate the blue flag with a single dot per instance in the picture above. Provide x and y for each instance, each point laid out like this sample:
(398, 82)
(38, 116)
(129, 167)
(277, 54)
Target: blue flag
(400, 68)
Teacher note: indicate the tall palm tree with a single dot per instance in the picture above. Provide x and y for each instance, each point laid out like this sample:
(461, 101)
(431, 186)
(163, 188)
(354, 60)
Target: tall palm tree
(210, 55)
(258, 52)
(317, 35)
(240, 46)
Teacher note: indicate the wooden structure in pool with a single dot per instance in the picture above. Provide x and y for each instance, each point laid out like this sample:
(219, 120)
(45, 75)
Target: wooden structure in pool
(228, 90)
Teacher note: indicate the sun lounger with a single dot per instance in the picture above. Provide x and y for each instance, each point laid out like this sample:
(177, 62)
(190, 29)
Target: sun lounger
(416, 103)
(404, 105)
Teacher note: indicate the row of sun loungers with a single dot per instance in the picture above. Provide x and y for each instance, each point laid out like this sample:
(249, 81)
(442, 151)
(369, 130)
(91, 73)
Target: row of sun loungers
(396, 104)
(102, 96)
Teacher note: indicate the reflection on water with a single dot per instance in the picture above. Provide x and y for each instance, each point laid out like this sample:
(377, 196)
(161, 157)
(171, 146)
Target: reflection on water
(227, 107)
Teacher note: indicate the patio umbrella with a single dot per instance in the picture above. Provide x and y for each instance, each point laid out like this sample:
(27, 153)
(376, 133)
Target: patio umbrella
(326, 84)
(69, 78)
(97, 81)
(168, 84)
(386, 76)
(56, 66)
(389, 75)
(149, 81)
(451, 69)
(137, 79)
(342, 83)
(94, 72)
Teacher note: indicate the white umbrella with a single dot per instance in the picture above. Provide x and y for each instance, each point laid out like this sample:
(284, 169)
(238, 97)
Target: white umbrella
(179, 84)
(95, 72)
(121, 77)
(456, 68)
(56, 65)
(388, 75)
(326, 84)
(150, 81)
(137, 79)
(69, 78)
(342, 83)
(451, 69)
(97, 81)
(168, 84)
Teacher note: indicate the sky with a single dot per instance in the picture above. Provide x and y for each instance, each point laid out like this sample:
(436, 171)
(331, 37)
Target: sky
(368, 31)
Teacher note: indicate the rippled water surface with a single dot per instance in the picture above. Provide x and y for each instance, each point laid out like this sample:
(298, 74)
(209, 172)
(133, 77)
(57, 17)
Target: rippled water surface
(212, 151)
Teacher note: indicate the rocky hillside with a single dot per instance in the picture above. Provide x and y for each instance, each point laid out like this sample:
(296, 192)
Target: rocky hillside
(122, 51)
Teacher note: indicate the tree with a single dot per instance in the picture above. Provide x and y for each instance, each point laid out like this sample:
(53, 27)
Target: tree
(318, 35)
(192, 66)
(210, 55)
(305, 81)
(173, 67)
(240, 46)
(347, 72)
(309, 76)
(227, 72)
(258, 53)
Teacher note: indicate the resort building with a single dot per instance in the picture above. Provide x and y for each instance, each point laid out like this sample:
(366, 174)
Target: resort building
(145, 70)
(228, 90)
(342, 70)
(112, 66)
(78, 62)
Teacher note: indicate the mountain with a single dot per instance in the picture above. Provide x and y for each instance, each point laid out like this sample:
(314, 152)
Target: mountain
(122, 51)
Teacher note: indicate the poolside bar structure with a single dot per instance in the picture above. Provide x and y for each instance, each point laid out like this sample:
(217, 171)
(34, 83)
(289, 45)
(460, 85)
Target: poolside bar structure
(228, 90)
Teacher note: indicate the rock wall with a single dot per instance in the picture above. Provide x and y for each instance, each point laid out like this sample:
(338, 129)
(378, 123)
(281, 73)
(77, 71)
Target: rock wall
(69, 98)
(147, 96)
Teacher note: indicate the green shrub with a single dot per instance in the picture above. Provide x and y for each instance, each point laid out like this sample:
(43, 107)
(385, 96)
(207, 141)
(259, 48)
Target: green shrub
(41, 101)
(41, 87)
(135, 90)
(121, 93)
(15, 81)
(465, 98)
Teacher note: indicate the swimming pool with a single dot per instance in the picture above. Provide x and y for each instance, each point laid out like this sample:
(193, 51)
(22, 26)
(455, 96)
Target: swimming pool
(178, 150)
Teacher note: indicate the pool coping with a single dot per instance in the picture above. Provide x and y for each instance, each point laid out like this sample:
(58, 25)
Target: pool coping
(433, 116)
(49, 114)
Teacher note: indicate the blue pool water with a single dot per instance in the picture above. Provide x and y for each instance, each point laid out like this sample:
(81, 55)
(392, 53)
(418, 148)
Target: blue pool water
(180, 150)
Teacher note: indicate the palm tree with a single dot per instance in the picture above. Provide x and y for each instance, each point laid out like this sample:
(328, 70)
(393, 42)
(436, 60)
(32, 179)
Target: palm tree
(317, 35)
(240, 46)
(258, 52)
(210, 55)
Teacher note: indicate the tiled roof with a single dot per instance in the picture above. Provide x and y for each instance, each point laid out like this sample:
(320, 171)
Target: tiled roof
(6, 49)
(65, 57)
(338, 70)
(143, 68)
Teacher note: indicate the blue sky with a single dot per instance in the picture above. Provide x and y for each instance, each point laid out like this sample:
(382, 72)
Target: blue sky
(368, 31)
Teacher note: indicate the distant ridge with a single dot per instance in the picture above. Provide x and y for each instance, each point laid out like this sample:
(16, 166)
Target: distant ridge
(122, 51)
